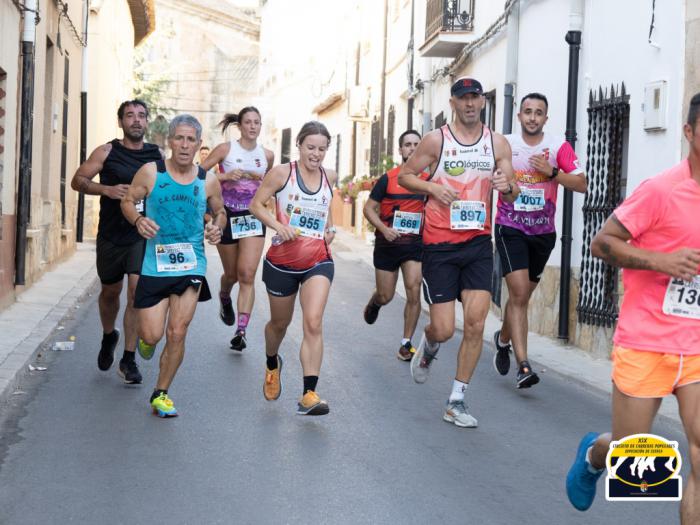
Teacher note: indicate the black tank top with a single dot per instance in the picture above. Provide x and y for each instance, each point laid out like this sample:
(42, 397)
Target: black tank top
(119, 167)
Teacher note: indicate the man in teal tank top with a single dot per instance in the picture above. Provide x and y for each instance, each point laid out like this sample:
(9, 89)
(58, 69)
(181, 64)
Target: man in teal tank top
(177, 193)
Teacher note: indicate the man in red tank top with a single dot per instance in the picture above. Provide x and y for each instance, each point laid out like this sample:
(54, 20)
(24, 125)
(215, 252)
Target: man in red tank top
(467, 161)
(397, 215)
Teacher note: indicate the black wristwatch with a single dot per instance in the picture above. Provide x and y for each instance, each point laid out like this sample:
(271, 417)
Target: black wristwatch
(510, 189)
(555, 172)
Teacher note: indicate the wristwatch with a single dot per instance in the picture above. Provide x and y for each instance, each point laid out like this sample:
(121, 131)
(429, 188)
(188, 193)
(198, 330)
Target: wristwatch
(555, 172)
(330, 229)
(510, 189)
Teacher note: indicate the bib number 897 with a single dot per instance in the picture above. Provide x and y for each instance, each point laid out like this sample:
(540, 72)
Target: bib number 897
(470, 215)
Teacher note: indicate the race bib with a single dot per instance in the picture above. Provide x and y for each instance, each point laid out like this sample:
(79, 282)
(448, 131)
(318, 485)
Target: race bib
(467, 215)
(139, 206)
(683, 298)
(175, 257)
(407, 222)
(245, 226)
(310, 222)
(530, 199)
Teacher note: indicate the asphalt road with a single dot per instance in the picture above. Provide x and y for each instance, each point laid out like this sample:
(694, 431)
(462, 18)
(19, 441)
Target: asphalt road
(79, 446)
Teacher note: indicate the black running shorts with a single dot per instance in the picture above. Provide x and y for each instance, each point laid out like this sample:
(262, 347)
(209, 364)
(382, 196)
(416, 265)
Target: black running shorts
(226, 236)
(283, 282)
(519, 251)
(152, 290)
(114, 261)
(450, 268)
(389, 257)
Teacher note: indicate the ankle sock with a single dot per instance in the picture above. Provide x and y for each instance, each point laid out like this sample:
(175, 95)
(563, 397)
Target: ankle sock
(156, 393)
(271, 362)
(243, 321)
(310, 383)
(128, 355)
(458, 390)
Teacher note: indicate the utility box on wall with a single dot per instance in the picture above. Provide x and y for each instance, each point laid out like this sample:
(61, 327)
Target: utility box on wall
(655, 102)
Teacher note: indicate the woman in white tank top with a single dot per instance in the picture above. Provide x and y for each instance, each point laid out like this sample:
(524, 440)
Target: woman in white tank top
(242, 165)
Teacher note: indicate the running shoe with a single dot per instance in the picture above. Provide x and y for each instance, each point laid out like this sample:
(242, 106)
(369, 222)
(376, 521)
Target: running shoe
(371, 311)
(456, 412)
(421, 361)
(106, 356)
(272, 387)
(526, 377)
(226, 313)
(146, 351)
(501, 359)
(238, 343)
(163, 406)
(406, 352)
(129, 372)
(580, 481)
(312, 405)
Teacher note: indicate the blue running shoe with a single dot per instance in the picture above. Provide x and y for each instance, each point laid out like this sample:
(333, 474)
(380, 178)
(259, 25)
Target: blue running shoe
(580, 482)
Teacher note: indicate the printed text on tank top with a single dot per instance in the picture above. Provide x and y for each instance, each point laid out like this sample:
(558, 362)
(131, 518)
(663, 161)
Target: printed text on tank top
(238, 194)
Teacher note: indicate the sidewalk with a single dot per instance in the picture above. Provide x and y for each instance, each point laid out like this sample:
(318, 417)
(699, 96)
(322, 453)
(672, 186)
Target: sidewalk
(38, 311)
(547, 355)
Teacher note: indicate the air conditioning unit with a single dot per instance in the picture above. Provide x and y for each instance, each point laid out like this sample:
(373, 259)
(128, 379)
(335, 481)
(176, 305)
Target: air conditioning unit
(358, 103)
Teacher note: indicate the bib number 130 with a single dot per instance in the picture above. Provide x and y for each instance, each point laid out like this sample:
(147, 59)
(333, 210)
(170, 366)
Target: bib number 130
(683, 298)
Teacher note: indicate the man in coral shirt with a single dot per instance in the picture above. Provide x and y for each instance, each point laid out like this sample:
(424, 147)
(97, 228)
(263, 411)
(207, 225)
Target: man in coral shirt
(654, 237)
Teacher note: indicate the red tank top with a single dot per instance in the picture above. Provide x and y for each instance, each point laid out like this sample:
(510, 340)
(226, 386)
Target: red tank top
(467, 169)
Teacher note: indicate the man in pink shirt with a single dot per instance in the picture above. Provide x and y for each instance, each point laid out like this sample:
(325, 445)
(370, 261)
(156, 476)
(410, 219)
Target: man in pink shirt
(525, 229)
(654, 236)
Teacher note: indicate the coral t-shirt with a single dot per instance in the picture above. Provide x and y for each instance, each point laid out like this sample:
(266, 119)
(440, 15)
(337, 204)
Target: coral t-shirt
(659, 313)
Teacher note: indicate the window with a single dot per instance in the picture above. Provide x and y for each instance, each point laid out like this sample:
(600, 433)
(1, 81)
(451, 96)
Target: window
(286, 145)
(390, 125)
(375, 145)
(488, 114)
(64, 137)
(440, 120)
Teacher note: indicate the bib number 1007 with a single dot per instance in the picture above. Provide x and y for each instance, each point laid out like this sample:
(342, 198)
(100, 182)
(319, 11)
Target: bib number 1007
(682, 298)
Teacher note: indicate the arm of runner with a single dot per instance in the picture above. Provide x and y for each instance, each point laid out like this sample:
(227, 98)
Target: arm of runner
(426, 155)
(217, 155)
(569, 175)
(274, 181)
(329, 234)
(82, 180)
(140, 187)
(503, 179)
(372, 209)
(215, 202)
(611, 244)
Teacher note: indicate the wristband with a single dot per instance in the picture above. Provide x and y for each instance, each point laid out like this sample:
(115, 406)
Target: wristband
(555, 172)
(510, 189)
(137, 220)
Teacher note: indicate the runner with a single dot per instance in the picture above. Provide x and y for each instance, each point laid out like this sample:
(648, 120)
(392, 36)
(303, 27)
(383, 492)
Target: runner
(466, 160)
(119, 248)
(300, 257)
(243, 164)
(174, 266)
(397, 216)
(525, 231)
(656, 352)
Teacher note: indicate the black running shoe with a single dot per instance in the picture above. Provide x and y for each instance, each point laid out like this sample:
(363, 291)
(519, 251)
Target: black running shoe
(129, 372)
(238, 342)
(501, 359)
(106, 356)
(371, 312)
(226, 313)
(526, 376)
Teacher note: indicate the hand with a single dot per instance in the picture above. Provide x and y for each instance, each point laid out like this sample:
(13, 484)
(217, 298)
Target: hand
(233, 175)
(251, 176)
(444, 194)
(286, 232)
(212, 233)
(117, 192)
(500, 182)
(329, 236)
(390, 234)
(541, 164)
(682, 264)
(146, 227)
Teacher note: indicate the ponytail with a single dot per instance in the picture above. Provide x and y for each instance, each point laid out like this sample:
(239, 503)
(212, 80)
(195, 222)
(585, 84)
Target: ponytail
(233, 118)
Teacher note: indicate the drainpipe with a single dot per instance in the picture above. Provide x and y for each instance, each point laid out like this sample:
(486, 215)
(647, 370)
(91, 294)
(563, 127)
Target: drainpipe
(382, 150)
(83, 119)
(24, 182)
(573, 38)
(411, 53)
(513, 39)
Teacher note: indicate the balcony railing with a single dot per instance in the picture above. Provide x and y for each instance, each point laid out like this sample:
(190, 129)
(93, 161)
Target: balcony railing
(448, 15)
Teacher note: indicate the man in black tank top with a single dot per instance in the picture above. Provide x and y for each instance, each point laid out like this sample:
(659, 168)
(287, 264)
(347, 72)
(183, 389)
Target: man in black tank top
(119, 246)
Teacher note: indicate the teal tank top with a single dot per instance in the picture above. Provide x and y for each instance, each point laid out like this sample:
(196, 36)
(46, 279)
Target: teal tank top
(178, 247)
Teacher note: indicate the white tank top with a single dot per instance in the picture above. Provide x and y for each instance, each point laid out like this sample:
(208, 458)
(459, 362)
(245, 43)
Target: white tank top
(237, 195)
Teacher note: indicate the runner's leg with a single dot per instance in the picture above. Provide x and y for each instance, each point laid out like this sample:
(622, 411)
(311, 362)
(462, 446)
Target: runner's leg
(229, 260)
(313, 298)
(412, 278)
(386, 286)
(108, 303)
(475, 304)
(130, 316)
(689, 404)
(247, 263)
